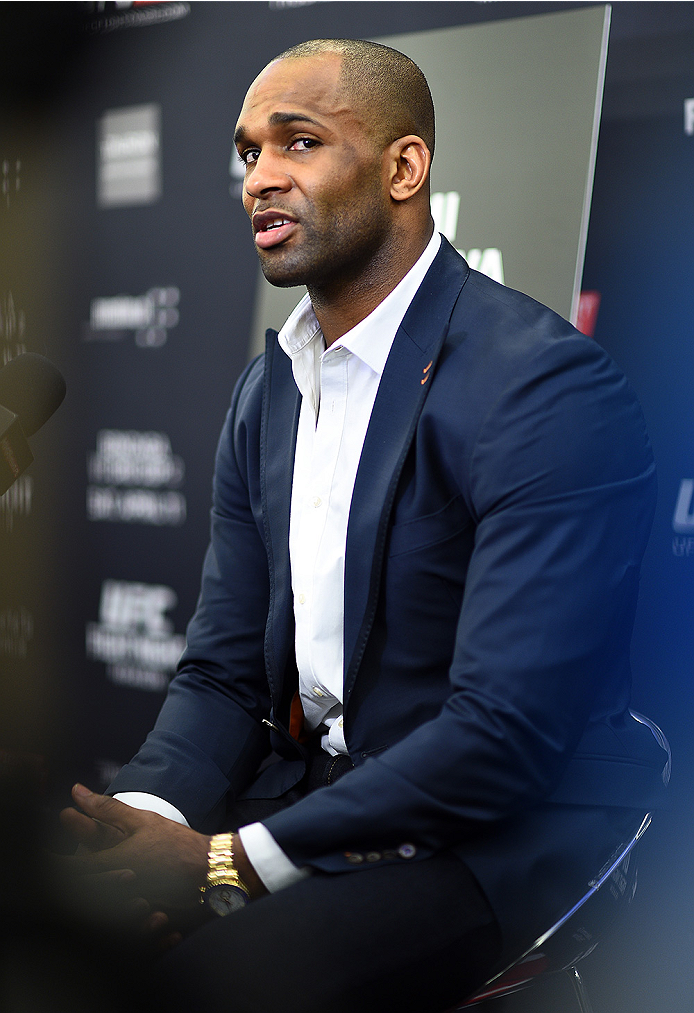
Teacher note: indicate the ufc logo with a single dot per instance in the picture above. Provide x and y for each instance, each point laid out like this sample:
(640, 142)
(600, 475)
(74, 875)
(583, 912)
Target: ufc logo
(136, 607)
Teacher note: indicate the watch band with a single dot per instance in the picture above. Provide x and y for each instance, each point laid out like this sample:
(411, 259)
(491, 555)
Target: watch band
(221, 870)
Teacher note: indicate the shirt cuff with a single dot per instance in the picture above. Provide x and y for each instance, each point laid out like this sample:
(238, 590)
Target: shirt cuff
(267, 858)
(154, 804)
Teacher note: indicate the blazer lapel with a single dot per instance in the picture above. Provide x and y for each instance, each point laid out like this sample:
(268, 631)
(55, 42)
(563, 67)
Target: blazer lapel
(281, 403)
(405, 383)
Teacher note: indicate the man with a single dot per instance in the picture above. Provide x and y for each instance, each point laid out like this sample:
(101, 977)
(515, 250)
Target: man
(431, 500)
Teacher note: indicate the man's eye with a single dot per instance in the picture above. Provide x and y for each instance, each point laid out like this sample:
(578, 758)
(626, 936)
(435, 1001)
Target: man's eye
(249, 156)
(303, 144)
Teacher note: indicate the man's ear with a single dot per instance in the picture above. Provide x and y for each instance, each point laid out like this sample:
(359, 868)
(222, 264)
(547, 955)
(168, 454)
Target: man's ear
(409, 160)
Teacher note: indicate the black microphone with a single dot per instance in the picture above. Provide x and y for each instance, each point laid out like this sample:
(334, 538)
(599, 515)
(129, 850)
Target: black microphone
(31, 388)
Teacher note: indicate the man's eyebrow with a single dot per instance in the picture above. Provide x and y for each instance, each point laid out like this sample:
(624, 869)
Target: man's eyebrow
(277, 120)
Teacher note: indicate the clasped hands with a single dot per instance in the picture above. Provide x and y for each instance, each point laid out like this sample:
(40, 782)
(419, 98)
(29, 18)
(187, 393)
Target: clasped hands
(159, 865)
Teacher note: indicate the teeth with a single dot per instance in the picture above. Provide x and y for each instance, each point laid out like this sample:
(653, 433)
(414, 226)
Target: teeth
(276, 224)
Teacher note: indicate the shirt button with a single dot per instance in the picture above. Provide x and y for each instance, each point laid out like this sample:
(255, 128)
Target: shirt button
(318, 691)
(317, 502)
(302, 599)
(407, 851)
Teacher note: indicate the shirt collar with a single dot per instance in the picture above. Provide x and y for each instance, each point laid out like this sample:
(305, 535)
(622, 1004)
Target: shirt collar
(370, 340)
(373, 336)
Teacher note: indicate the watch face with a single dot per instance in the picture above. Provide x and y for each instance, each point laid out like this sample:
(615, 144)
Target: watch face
(225, 899)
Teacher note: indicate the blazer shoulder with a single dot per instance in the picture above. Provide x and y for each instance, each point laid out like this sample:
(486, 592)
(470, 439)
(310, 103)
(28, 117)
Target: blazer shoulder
(502, 334)
(490, 323)
(512, 370)
(497, 307)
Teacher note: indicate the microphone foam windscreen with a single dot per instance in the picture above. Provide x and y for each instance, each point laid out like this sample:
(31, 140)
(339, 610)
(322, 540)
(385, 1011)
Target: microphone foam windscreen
(31, 387)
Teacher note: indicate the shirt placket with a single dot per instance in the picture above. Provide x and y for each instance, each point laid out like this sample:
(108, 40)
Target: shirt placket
(317, 605)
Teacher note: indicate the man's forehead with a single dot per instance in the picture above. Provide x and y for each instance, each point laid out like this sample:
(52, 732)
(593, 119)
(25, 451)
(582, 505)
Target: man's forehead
(309, 83)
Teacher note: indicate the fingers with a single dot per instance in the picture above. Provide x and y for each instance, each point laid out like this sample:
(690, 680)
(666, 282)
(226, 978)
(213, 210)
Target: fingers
(168, 942)
(157, 921)
(159, 933)
(106, 809)
(112, 878)
(65, 869)
(169, 860)
(106, 899)
(89, 833)
(81, 828)
(87, 862)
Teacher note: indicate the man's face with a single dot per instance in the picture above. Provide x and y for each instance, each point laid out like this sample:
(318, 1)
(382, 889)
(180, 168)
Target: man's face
(315, 186)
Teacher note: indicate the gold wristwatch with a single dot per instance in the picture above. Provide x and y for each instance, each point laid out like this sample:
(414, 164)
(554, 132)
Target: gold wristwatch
(224, 891)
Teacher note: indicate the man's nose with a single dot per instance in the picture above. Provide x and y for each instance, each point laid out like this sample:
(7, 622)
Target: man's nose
(266, 175)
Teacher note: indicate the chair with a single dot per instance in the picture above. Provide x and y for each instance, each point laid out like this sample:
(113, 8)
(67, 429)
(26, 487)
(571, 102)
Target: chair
(577, 932)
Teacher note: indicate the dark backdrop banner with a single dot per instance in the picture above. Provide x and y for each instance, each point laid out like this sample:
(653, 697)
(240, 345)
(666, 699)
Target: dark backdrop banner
(125, 256)
(131, 262)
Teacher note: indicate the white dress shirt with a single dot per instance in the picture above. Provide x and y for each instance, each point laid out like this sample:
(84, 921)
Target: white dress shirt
(338, 387)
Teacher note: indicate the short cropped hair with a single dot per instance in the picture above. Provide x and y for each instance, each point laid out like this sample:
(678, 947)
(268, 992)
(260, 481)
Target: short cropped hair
(390, 87)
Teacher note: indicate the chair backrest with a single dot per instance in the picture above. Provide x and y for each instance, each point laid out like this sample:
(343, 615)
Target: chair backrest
(660, 738)
(577, 932)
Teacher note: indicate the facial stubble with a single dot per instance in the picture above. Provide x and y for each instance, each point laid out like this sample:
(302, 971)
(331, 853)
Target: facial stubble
(337, 241)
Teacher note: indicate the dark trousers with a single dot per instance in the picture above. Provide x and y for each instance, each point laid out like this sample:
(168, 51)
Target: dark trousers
(389, 939)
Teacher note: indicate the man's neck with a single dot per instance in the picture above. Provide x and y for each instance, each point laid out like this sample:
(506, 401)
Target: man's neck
(340, 309)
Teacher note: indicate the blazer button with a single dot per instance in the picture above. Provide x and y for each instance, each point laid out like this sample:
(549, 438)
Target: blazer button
(407, 851)
(354, 858)
(373, 856)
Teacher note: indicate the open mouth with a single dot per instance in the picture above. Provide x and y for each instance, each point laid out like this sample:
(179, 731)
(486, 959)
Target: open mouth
(276, 224)
(273, 230)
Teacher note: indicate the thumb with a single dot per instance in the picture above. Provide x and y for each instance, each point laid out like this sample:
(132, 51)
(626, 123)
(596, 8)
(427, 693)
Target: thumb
(106, 809)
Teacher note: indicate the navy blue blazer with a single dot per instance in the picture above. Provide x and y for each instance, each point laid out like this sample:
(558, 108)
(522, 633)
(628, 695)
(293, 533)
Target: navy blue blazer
(501, 509)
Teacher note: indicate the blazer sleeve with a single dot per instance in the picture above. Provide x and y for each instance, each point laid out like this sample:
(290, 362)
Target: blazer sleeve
(560, 479)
